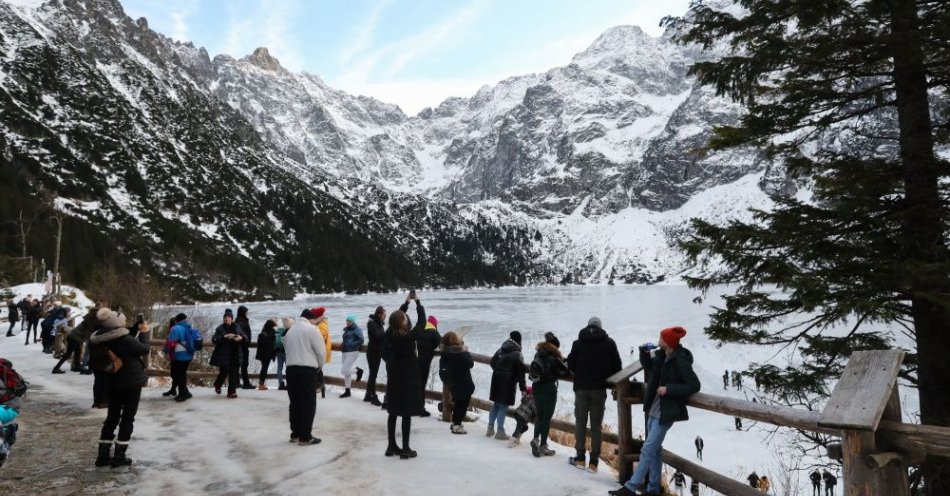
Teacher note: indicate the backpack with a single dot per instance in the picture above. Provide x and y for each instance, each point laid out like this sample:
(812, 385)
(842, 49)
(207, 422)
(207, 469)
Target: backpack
(538, 370)
(198, 341)
(13, 384)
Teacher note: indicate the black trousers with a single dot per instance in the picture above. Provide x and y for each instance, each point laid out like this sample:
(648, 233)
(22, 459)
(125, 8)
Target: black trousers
(123, 405)
(32, 325)
(100, 392)
(391, 430)
(424, 368)
(72, 351)
(230, 373)
(10, 331)
(302, 391)
(265, 364)
(373, 360)
(461, 406)
(245, 354)
(179, 374)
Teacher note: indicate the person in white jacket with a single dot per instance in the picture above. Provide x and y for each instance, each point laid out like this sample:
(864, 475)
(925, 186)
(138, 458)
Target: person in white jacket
(306, 354)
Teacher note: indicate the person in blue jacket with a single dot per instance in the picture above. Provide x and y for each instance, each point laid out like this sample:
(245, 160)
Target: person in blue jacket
(180, 345)
(352, 340)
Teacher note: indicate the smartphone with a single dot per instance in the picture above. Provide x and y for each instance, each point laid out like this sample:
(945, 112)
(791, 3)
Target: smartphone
(412, 294)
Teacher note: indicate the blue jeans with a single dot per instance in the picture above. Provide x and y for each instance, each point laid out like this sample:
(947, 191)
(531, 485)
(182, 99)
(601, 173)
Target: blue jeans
(651, 458)
(498, 411)
(281, 358)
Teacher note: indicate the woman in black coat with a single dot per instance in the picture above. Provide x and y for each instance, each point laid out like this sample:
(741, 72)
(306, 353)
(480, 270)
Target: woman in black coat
(124, 385)
(455, 370)
(403, 389)
(227, 353)
(265, 350)
(507, 372)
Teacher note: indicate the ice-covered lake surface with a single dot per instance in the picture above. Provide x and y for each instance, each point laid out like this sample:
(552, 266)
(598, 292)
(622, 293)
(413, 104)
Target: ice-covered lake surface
(630, 314)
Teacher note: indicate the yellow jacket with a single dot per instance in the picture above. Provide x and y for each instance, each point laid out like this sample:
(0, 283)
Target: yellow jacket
(764, 485)
(324, 327)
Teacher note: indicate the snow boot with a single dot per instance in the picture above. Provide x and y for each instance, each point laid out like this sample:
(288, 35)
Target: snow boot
(346, 394)
(375, 401)
(392, 450)
(623, 491)
(490, 432)
(545, 451)
(232, 395)
(407, 453)
(119, 459)
(592, 467)
(536, 448)
(577, 462)
(58, 371)
(171, 392)
(217, 389)
(262, 387)
(359, 374)
(458, 429)
(281, 386)
(501, 435)
(514, 442)
(104, 459)
(184, 396)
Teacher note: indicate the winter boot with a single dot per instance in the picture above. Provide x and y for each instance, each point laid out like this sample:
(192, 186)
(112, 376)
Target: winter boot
(577, 462)
(171, 392)
(119, 459)
(346, 394)
(536, 448)
(375, 401)
(359, 374)
(184, 396)
(262, 387)
(392, 450)
(281, 386)
(592, 467)
(57, 370)
(407, 453)
(513, 442)
(104, 459)
(501, 435)
(545, 451)
(458, 429)
(490, 432)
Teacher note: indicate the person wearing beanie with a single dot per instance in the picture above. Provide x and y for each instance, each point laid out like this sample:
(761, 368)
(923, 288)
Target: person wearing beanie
(455, 370)
(245, 326)
(546, 368)
(507, 365)
(266, 341)
(404, 396)
(352, 340)
(670, 382)
(227, 353)
(180, 347)
(306, 357)
(123, 383)
(375, 329)
(427, 342)
(593, 358)
(279, 352)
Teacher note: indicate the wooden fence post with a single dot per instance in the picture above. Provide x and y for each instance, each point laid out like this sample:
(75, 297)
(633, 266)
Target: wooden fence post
(624, 430)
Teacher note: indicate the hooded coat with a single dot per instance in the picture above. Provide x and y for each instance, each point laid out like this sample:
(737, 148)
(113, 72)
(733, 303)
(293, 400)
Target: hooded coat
(403, 383)
(593, 358)
(679, 378)
(225, 349)
(375, 329)
(552, 362)
(507, 372)
(455, 370)
(129, 349)
(266, 340)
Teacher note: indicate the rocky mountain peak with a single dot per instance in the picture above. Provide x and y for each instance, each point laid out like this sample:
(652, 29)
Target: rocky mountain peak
(263, 59)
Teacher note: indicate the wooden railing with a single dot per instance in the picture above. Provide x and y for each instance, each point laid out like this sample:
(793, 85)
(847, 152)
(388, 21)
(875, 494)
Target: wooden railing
(864, 411)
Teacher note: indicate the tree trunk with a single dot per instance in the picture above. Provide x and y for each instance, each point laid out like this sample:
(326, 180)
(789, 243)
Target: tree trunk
(923, 243)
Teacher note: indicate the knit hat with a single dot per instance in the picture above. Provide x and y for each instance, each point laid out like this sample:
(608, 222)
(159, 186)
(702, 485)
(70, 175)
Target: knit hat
(228, 313)
(515, 336)
(110, 319)
(672, 335)
(432, 320)
(595, 321)
(351, 318)
(287, 322)
(180, 317)
(318, 312)
(308, 314)
(551, 338)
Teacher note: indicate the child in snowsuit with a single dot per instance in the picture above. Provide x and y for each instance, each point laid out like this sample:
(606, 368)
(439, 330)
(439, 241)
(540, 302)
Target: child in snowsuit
(525, 413)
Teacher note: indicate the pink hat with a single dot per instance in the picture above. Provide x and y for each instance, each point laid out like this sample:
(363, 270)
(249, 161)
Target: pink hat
(432, 320)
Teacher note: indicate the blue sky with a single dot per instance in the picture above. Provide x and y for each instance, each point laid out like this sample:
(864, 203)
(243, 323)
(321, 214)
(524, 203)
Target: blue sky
(414, 53)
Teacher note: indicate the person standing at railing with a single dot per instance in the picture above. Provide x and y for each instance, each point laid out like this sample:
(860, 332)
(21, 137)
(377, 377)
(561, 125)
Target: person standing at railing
(404, 396)
(670, 381)
(427, 341)
(593, 359)
(323, 324)
(350, 347)
(507, 366)
(455, 370)
(546, 368)
(244, 325)
(375, 331)
(180, 347)
(279, 352)
(265, 350)
(227, 353)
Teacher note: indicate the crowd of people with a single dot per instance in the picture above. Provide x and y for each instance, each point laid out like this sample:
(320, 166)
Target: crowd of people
(102, 343)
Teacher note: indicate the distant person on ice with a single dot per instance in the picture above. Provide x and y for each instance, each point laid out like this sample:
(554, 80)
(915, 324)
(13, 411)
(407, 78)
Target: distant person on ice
(753, 479)
(227, 353)
(764, 484)
(830, 482)
(306, 356)
(699, 447)
(815, 483)
(546, 368)
(375, 329)
(455, 370)
(593, 359)
(679, 482)
(118, 355)
(507, 366)
(403, 389)
(671, 380)
(352, 340)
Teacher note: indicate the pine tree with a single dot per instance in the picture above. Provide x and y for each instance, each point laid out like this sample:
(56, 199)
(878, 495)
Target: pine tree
(870, 246)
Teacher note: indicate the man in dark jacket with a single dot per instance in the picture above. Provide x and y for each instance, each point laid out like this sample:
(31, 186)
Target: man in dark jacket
(227, 355)
(376, 330)
(13, 315)
(593, 358)
(245, 325)
(815, 483)
(670, 381)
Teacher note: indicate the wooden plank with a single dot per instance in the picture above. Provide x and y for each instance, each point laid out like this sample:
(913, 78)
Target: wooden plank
(625, 374)
(859, 398)
(773, 414)
(624, 431)
(713, 480)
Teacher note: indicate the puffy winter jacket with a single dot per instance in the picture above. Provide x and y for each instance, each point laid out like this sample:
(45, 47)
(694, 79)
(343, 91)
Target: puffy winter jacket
(679, 378)
(593, 358)
(128, 349)
(352, 338)
(375, 330)
(184, 341)
(455, 370)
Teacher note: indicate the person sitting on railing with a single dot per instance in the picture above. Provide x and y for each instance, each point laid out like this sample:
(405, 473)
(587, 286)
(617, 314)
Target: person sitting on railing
(507, 366)
(593, 359)
(545, 370)
(670, 381)
(455, 370)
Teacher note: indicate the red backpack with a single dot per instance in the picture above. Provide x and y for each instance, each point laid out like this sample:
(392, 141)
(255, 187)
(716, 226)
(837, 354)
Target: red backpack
(11, 382)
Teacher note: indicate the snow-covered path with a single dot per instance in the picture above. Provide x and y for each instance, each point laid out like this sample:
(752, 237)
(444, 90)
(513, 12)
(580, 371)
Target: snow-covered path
(213, 445)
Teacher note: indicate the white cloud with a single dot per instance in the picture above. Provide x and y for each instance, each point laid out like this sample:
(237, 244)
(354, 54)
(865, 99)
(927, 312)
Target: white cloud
(413, 95)
(363, 34)
(269, 26)
(179, 25)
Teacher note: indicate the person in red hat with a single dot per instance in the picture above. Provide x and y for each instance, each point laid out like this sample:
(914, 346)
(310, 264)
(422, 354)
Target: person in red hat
(670, 381)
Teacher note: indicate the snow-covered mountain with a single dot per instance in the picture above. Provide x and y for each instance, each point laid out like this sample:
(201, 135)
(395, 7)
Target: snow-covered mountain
(249, 175)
